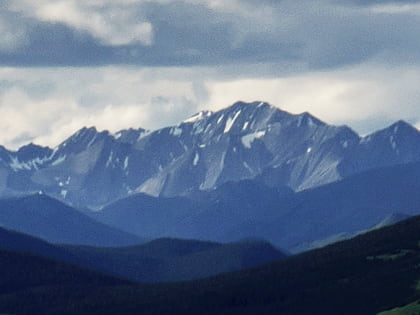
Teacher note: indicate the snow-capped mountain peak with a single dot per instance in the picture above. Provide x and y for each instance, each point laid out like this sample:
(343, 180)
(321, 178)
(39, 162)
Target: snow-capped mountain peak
(198, 116)
(244, 141)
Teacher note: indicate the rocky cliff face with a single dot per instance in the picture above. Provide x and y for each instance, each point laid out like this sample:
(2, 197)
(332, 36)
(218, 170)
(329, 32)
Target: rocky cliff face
(243, 141)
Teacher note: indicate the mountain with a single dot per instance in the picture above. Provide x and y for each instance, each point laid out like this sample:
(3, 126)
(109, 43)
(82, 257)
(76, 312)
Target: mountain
(156, 261)
(19, 242)
(374, 272)
(151, 217)
(357, 203)
(166, 260)
(22, 272)
(291, 221)
(244, 141)
(202, 215)
(52, 220)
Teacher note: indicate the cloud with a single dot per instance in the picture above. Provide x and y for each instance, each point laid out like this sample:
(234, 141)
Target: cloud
(397, 8)
(12, 35)
(152, 63)
(305, 34)
(113, 24)
(366, 98)
(376, 2)
(46, 105)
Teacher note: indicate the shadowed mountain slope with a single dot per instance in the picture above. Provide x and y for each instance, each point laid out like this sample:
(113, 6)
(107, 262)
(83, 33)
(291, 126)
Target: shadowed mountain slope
(371, 273)
(51, 220)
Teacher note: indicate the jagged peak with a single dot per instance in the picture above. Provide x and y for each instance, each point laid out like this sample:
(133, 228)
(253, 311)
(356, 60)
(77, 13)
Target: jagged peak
(397, 128)
(31, 151)
(251, 104)
(254, 106)
(83, 138)
(84, 131)
(307, 118)
(127, 132)
(402, 125)
(31, 146)
(130, 135)
(198, 116)
(252, 109)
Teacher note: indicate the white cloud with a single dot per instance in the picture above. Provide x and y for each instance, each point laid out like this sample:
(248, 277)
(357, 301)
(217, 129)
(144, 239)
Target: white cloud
(396, 8)
(361, 97)
(47, 104)
(109, 98)
(110, 22)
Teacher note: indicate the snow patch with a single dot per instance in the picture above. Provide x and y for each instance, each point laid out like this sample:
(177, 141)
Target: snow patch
(109, 161)
(309, 150)
(126, 163)
(311, 122)
(92, 140)
(231, 121)
(196, 159)
(117, 135)
(220, 119)
(17, 165)
(245, 125)
(63, 193)
(246, 165)
(143, 134)
(248, 139)
(199, 116)
(393, 142)
(365, 139)
(176, 131)
(60, 160)
(207, 128)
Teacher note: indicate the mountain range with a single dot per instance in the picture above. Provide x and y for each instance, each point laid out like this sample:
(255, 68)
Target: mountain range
(160, 260)
(293, 221)
(248, 171)
(216, 194)
(47, 218)
(374, 272)
(92, 169)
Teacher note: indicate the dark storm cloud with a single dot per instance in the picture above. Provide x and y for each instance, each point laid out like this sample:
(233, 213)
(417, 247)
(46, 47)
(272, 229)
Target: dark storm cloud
(318, 34)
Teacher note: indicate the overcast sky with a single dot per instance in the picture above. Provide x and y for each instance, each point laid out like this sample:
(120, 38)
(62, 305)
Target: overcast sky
(65, 64)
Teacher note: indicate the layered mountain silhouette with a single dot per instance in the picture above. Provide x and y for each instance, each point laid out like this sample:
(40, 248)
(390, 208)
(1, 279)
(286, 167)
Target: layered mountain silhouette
(292, 221)
(206, 197)
(371, 273)
(243, 141)
(52, 220)
(160, 260)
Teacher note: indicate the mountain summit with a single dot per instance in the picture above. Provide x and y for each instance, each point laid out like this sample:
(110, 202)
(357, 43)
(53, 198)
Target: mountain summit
(243, 141)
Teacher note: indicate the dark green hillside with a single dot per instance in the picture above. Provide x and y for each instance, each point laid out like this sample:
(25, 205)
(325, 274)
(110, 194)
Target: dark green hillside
(371, 273)
(20, 272)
